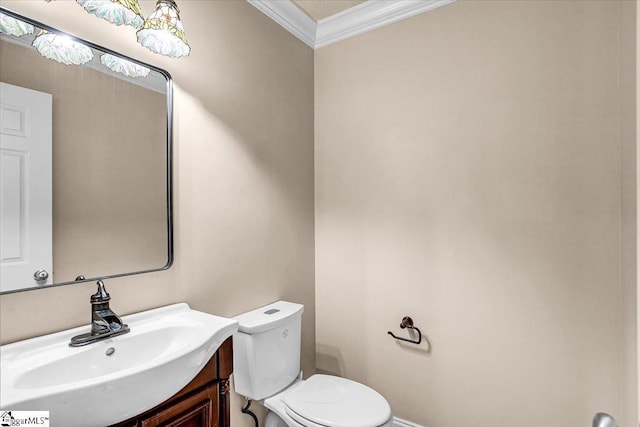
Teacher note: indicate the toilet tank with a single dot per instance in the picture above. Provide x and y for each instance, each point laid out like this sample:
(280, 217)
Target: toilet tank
(266, 349)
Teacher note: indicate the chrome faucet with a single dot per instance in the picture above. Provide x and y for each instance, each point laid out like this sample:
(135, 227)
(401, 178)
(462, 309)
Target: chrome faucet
(104, 322)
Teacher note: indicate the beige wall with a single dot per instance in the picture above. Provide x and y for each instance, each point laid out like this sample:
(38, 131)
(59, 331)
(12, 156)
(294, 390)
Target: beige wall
(464, 176)
(109, 179)
(243, 173)
(468, 175)
(628, 167)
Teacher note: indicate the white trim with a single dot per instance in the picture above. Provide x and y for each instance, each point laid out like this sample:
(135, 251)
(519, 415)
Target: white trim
(399, 422)
(359, 19)
(290, 17)
(368, 16)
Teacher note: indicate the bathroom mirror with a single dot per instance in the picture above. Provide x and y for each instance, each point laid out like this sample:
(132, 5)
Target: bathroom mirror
(85, 172)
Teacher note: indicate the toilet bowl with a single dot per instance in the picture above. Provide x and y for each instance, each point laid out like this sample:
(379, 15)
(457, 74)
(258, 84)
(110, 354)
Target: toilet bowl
(328, 401)
(266, 360)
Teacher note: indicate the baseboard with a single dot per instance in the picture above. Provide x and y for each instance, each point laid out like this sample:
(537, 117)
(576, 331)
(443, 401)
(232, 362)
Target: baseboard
(399, 422)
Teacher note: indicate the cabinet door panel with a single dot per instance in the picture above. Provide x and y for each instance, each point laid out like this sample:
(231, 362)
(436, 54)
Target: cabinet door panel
(199, 410)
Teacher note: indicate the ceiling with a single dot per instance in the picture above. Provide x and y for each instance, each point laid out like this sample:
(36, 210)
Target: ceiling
(320, 9)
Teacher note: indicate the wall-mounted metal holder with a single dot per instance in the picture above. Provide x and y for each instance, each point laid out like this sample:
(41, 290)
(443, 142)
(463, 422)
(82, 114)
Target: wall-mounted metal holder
(407, 323)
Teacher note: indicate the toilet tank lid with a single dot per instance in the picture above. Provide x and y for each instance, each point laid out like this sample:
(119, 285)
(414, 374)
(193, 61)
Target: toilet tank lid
(268, 317)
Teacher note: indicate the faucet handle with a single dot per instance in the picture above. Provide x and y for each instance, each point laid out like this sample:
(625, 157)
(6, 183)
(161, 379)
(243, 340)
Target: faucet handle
(101, 295)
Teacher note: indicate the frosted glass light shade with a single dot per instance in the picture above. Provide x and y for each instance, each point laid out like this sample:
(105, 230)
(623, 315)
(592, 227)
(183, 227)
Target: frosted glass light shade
(163, 33)
(62, 48)
(14, 27)
(122, 66)
(118, 12)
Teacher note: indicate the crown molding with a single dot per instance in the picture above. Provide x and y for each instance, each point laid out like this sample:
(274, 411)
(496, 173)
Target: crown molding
(290, 17)
(364, 17)
(368, 16)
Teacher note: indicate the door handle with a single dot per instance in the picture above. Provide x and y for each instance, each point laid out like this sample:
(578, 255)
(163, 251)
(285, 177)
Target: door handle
(40, 275)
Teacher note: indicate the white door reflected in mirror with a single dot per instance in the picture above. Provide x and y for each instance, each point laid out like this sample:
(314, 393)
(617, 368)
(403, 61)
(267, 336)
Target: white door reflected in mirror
(25, 188)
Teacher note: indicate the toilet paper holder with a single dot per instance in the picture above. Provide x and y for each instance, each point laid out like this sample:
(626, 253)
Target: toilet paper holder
(407, 323)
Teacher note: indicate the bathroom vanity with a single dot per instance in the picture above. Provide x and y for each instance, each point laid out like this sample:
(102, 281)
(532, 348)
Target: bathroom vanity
(171, 369)
(204, 402)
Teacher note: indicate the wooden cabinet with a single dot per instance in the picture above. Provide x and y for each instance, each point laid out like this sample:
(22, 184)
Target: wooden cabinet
(199, 410)
(204, 402)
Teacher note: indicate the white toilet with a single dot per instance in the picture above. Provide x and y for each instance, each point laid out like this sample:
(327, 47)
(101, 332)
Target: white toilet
(266, 359)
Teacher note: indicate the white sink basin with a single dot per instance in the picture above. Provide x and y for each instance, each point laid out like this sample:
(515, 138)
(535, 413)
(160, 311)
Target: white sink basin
(83, 386)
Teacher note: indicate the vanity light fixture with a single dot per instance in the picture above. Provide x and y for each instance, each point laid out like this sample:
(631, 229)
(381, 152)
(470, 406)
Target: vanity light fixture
(163, 33)
(117, 12)
(14, 27)
(62, 48)
(122, 66)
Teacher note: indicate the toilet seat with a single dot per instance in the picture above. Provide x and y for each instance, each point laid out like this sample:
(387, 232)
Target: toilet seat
(328, 401)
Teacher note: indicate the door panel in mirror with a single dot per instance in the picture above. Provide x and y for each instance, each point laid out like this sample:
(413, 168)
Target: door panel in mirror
(25, 178)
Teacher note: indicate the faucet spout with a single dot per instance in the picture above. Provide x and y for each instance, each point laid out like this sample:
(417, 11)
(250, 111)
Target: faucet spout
(104, 322)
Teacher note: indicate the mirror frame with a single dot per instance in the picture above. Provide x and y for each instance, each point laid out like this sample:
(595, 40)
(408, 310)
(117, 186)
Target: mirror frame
(169, 154)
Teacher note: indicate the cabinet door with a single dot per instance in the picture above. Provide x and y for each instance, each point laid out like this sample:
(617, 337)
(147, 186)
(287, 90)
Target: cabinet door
(199, 410)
